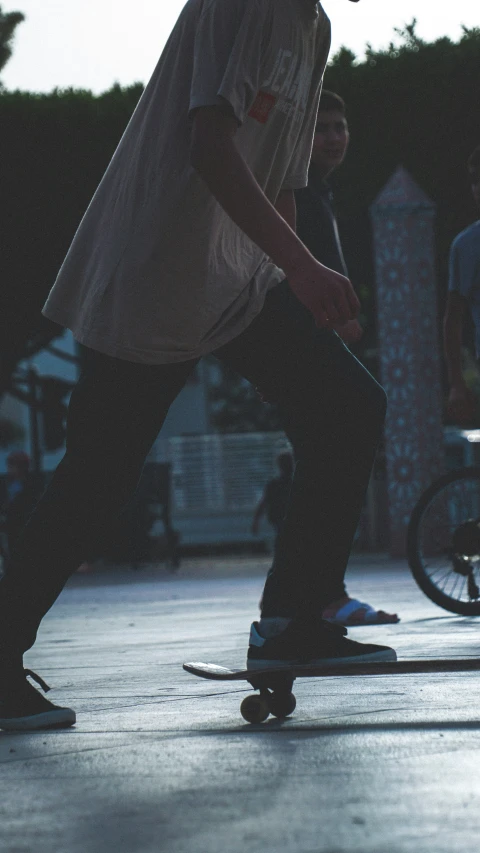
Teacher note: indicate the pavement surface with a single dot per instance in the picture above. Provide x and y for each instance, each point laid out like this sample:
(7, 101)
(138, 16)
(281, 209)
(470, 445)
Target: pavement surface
(161, 761)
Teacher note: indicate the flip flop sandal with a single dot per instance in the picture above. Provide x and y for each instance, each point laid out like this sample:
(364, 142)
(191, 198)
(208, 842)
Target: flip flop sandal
(355, 613)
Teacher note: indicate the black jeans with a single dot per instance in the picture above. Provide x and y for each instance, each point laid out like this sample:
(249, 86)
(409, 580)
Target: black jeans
(332, 411)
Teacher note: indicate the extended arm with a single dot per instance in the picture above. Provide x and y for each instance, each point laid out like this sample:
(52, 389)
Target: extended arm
(460, 399)
(452, 338)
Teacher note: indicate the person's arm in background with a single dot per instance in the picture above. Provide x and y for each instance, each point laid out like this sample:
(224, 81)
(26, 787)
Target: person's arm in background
(461, 400)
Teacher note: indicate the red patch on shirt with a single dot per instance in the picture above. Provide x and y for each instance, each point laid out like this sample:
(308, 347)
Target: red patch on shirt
(262, 107)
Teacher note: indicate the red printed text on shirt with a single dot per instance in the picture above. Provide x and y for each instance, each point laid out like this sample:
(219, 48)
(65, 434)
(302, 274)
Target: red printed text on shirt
(262, 107)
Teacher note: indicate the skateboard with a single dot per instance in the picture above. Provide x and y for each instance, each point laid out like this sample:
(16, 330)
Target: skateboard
(275, 685)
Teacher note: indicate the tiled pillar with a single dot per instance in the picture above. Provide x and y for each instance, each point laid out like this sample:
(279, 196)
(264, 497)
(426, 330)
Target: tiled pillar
(409, 348)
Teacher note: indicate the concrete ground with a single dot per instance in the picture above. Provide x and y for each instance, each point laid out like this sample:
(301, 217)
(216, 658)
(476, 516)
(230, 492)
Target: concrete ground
(161, 761)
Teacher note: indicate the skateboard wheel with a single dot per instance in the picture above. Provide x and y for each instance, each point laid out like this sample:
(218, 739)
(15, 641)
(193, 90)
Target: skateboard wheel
(254, 709)
(282, 704)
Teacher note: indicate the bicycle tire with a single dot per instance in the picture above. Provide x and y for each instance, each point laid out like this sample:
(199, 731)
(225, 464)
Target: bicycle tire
(464, 608)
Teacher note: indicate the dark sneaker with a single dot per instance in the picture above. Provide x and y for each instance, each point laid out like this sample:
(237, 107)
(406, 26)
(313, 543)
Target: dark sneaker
(23, 708)
(311, 642)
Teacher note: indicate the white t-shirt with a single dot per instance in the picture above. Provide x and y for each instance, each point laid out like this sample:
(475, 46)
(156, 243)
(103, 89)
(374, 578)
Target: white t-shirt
(158, 272)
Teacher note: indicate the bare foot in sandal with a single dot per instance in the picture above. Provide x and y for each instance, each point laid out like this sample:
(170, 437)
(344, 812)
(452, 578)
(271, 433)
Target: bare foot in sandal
(351, 612)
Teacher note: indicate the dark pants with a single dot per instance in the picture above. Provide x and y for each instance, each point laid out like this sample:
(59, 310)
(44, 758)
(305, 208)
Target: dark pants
(332, 411)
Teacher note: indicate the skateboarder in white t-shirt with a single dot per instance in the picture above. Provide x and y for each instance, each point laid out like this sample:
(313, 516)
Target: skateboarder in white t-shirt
(186, 249)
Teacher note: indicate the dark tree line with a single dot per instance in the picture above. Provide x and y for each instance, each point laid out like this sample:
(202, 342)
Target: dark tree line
(9, 22)
(53, 152)
(415, 105)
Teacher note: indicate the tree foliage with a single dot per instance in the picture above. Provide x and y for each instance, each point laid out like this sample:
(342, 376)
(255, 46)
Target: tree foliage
(9, 22)
(54, 150)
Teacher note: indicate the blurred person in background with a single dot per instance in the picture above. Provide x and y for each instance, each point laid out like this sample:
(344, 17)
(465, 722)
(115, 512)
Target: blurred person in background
(463, 301)
(21, 492)
(274, 501)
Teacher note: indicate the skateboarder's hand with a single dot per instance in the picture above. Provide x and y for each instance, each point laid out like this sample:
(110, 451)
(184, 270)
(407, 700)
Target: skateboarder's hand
(328, 295)
(350, 333)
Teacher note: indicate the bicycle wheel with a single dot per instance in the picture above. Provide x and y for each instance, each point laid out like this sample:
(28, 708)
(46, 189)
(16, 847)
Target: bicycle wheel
(443, 542)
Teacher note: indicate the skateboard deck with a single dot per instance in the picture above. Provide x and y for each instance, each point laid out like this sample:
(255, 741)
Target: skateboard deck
(275, 684)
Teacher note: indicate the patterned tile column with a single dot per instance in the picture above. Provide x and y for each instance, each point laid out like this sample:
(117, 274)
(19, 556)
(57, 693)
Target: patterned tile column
(409, 348)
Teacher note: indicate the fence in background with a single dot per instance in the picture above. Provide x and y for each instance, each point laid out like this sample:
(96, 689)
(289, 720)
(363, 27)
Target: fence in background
(217, 481)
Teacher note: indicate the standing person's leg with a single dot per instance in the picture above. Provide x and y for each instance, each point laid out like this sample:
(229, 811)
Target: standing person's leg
(115, 413)
(333, 413)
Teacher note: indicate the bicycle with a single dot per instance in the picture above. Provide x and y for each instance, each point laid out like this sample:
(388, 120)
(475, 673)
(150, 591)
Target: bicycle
(443, 541)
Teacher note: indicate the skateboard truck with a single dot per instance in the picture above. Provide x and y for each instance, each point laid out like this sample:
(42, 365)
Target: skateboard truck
(275, 698)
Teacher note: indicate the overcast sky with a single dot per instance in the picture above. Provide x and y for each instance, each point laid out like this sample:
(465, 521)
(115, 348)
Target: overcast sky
(94, 43)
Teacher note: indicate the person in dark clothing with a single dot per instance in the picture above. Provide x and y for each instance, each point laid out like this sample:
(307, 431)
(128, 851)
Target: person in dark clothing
(463, 303)
(274, 500)
(315, 212)
(318, 230)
